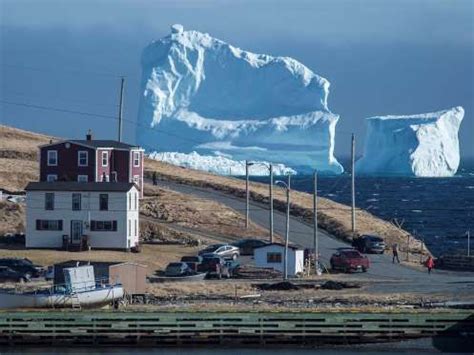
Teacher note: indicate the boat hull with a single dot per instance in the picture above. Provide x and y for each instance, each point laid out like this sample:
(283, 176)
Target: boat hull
(40, 300)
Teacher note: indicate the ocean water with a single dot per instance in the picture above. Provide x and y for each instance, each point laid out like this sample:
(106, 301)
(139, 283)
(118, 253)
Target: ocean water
(438, 210)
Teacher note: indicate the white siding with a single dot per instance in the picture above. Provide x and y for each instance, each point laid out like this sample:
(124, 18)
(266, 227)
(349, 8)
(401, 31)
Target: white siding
(118, 211)
(295, 259)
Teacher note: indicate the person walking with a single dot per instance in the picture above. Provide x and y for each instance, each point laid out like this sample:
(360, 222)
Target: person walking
(395, 253)
(429, 264)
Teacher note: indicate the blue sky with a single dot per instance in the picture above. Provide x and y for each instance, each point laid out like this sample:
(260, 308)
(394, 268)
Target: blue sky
(381, 57)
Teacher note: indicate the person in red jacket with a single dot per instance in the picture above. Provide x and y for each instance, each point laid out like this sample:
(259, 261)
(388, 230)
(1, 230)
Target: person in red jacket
(429, 264)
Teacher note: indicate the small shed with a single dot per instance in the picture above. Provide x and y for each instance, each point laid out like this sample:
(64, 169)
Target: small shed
(131, 275)
(273, 255)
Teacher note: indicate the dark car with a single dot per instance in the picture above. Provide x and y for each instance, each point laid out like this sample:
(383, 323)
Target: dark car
(23, 266)
(178, 269)
(192, 261)
(225, 251)
(7, 274)
(369, 244)
(348, 260)
(247, 246)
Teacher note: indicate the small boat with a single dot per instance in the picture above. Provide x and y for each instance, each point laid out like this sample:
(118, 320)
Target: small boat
(79, 290)
(196, 277)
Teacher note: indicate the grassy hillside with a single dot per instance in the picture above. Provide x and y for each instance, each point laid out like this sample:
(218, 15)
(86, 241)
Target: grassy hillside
(19, 165)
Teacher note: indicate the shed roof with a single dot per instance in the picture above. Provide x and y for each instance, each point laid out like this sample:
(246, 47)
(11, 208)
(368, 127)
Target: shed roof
(80, 186)
(103, 143)
(290, 246)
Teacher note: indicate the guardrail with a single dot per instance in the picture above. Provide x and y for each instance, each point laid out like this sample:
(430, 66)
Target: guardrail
(263, 328)
(457, 262)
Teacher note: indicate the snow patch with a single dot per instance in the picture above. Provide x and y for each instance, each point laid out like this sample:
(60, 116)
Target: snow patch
(219, 164)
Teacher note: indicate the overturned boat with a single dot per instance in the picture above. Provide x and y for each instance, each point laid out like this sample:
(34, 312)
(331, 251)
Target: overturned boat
(79, 290)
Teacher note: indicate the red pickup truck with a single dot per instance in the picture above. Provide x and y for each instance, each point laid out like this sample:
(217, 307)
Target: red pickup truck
(349, 260)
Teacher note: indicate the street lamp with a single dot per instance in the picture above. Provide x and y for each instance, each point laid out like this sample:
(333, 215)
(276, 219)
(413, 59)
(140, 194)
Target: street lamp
(287, 185)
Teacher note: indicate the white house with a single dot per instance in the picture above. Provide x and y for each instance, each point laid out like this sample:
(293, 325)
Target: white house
(273, 256)
(106, 213)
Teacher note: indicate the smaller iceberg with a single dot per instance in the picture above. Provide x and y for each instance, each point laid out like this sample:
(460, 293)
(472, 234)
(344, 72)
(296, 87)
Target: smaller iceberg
(424, 145)
(219, 164)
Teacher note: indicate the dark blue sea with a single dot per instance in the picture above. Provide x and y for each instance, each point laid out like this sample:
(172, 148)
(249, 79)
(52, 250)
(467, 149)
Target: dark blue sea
(438, 210)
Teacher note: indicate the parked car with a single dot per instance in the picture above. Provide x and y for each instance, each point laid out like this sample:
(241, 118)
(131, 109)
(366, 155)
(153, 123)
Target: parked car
(7, 274)
(192, 261)
(369, 244)
(349, 260)
(178, 269)
(225, 251)
(216, 266)
(246, 246)
(24, 266)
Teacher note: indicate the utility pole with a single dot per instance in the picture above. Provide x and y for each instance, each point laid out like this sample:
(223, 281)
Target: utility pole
(271, 202)
(287, 236)
(353, 185)
(315, 223)
(122, 84)
(247, 195)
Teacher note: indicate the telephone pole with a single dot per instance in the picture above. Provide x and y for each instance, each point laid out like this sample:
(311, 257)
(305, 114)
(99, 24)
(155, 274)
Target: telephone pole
(271, 202)
(315, 223)
(353, 185)
(122, 85)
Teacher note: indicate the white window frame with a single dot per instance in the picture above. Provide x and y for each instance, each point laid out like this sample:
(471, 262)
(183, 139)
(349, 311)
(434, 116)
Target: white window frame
(50, 152)
(136, 201)
(129, 227)
(106, 153)
(79, 158)
(136, 228)
(136, 159)
(52, 177)
(107, 178)
(82, 178)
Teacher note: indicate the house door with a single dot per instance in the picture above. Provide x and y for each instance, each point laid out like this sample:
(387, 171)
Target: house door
(76, 232)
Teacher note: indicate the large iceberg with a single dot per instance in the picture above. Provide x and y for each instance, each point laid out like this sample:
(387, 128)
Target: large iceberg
(424, 145)
(202, 94)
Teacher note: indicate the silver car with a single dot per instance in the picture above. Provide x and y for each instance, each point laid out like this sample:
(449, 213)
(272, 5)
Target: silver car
(225, 251)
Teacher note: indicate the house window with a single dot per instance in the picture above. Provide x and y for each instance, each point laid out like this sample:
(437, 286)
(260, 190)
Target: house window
(104, 202)
(104, 178)
(273, 258)
(136, 201)
(136, 227)
(130, 201)
(49, 201)
(105, 158)
(76, 202)
(82, 158)
(104, 226)
(136, 158)
(49, 225)
(51, 177)
(129, 227)
(82, 178)
(52, 157)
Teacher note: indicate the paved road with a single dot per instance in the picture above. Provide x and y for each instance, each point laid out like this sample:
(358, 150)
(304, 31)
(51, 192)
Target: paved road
(404, 278)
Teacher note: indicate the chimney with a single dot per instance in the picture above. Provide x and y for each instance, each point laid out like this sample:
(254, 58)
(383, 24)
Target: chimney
(89, 135)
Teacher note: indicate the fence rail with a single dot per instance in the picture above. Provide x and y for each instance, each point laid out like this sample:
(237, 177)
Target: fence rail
(191, 328)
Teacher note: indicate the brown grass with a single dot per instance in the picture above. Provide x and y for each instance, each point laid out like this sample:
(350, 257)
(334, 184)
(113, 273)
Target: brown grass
(12, 217)
(153, 256)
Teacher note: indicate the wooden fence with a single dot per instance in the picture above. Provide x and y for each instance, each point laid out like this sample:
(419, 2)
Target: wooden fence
(194, 328)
